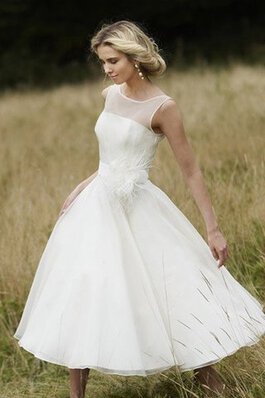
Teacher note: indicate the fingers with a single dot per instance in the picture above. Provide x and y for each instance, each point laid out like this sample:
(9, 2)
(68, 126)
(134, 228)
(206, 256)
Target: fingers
(214, 253)
(221, 261)
(64, 207)
(62, 211)
(222, 255)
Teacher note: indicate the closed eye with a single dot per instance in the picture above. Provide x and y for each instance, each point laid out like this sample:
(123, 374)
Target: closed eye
(111, 60)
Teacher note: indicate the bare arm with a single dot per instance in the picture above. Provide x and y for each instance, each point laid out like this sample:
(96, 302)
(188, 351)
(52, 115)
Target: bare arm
(169, 121)
(76, 192)
(84, 183)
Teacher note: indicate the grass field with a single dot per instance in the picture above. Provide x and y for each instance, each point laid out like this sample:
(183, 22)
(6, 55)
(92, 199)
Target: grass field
(48, 146)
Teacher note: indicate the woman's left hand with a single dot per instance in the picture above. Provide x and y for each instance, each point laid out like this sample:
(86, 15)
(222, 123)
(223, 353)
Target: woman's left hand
(218, 246)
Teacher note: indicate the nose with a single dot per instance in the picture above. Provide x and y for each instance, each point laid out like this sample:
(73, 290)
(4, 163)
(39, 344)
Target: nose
(107, 68)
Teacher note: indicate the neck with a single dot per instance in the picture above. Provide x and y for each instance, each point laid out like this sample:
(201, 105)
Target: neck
(134, 85)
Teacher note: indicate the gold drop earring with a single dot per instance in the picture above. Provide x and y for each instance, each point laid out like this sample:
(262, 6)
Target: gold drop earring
(139, 71)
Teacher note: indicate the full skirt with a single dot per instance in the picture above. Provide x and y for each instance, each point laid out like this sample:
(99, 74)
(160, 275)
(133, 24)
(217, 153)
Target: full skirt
(133, 293)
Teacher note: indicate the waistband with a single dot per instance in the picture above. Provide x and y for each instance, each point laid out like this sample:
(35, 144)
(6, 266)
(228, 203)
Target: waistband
(127, 171)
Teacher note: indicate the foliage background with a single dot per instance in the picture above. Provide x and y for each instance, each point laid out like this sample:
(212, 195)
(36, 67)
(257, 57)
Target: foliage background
(47, 42)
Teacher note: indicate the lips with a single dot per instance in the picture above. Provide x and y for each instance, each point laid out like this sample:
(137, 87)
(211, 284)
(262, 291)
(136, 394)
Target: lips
(113, 76)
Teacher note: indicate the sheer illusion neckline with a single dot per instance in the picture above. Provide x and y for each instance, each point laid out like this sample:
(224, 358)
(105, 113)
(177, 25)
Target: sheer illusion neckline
(134, 100)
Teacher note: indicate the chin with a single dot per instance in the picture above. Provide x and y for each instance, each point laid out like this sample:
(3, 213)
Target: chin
(117, 81)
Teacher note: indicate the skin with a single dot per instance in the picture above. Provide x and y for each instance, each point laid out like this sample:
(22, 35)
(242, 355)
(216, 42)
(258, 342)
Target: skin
(120, 68)
(78, 381)
(168, 121)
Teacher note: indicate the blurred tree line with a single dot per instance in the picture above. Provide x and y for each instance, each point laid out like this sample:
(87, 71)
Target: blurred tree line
(47, 42)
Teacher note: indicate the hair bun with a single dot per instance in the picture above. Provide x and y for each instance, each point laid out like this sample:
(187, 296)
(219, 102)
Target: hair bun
(129, 38)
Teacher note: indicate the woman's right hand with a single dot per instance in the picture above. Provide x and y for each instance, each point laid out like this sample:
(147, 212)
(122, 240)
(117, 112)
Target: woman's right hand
(70, 198)
(75, 192)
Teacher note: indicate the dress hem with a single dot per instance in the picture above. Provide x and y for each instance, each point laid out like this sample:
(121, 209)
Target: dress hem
(181, 369)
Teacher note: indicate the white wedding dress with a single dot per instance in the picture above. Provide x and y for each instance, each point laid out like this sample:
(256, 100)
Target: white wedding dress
(126, 285)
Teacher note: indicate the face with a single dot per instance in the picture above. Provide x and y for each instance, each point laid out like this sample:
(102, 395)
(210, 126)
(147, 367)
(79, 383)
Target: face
(115, 64)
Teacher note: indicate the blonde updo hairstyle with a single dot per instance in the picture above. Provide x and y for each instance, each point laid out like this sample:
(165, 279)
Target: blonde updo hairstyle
(127, 37)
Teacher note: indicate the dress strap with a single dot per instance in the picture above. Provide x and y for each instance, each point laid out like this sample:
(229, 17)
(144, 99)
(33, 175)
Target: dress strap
(157, 106)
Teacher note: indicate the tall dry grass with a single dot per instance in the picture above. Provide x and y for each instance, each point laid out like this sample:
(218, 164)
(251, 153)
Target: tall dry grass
(48, 146)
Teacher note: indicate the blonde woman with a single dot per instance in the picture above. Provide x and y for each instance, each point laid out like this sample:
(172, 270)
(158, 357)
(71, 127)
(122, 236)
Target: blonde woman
(126, 285)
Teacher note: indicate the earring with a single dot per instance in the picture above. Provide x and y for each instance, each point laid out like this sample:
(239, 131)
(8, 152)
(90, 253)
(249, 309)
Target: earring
(139, 71)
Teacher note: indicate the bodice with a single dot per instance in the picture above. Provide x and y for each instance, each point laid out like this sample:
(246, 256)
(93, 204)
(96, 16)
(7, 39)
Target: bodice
(127, 142)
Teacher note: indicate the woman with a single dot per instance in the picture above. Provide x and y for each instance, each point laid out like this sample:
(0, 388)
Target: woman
(126, 285)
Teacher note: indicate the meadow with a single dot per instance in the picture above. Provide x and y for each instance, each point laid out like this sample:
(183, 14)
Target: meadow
(48, 146)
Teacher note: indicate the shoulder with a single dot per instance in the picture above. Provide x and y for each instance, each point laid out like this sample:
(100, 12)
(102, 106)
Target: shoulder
(168, 114)
(169, 108)
(106, 90)
(168, 118)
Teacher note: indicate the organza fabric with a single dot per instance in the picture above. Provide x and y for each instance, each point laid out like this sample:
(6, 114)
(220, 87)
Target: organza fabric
(126, 284)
